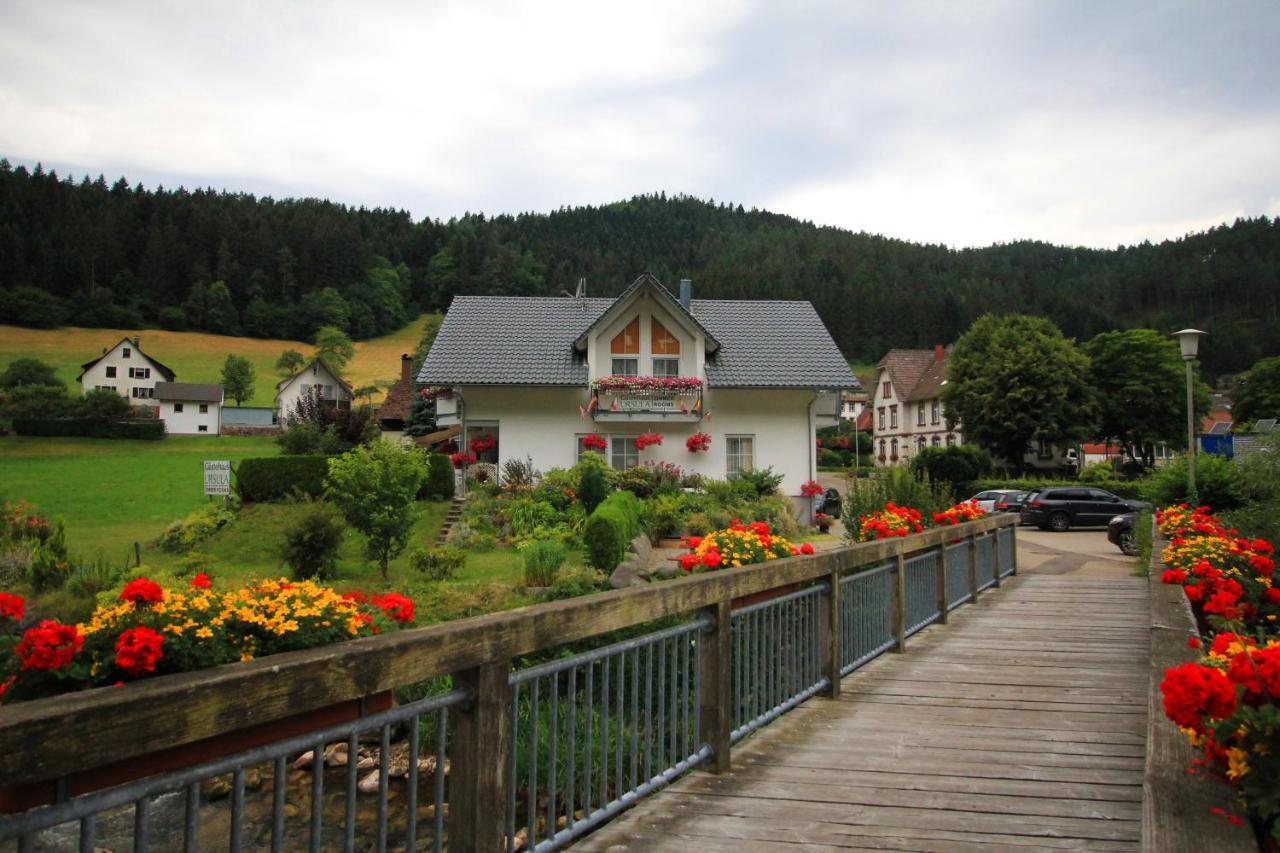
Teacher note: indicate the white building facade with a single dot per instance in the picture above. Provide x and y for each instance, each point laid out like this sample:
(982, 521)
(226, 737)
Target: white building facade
(907, 410)
(126, 370)
(316, 378)
(644, 364)
(190, 409)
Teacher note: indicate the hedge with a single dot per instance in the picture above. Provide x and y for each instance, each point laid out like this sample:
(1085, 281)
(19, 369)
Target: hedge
(438, 484)
(1122, 488)
(89, 428)
(270, 478)
(610, 529)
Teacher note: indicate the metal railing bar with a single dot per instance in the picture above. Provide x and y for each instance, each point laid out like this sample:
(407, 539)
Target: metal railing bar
(141, 826)
(353, 747)
(317, 793)
(553, 751)
(865, 574)
(813, 589)
(771, 715)
(442, 735)
(278, 782)
(191, 823)
(551, 667)
(237, 809)
(868, 657)
(531, 791)
(411, 795)
(570, 784)
(384, 776)
(88, 832)
(511, 768)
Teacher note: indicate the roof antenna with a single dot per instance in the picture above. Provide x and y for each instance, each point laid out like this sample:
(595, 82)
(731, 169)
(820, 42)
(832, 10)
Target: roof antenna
(582, 288)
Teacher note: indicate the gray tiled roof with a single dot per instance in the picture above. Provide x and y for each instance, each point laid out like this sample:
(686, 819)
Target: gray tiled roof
(188, 391)
(517, 340)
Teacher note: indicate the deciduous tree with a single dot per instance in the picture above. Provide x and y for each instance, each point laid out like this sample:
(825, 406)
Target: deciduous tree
(376, 489)
(290, 362)
(29, 371)
(334, 348)
(238, 378)
(1258, 394)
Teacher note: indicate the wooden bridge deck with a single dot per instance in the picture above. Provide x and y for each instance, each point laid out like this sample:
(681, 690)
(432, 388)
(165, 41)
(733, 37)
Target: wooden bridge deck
(1021, 724)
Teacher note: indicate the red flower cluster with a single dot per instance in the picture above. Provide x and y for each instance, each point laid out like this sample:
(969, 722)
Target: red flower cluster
(201, 581)
(1223, 575)
(398, 607)
(891, 521)
(595, 441)
(142, 591)
(699, 442)
(646, 439)
(811, 488)
(12, 606)
(483, 444)
(961, 512)
(138, 650)
(1193, 692)
(48, 646)
(462, 460)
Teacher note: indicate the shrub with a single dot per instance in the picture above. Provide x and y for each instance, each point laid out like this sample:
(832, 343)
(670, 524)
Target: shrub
(636, 480)
(305, 438)
(830, 459)
(592, 489)
(1217, 482)
(527, 515)
(311, 542)
(698, 524)
(666, 514)
(437, 564)
(107, 405)
(50, 565)
(88, 579)
(956, 467)
(1097, 471)
(89, 428)
(763, 480)
(897, 485)
(438, 486)
(590, 460)
(542, 561)
(273, 477)
(196, 526)
(610, 529)
(583, 582)
(520, 473)
(375, 487)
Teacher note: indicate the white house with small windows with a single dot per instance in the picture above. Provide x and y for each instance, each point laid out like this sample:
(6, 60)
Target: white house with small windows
(126, 370)
(316, 378)
(189, 408)
(906, 405)
(546, 378)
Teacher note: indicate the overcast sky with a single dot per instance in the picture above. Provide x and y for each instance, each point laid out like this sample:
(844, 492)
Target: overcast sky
(1095, 123)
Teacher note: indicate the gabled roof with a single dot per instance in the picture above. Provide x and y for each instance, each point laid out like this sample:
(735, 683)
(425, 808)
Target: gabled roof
(192, 391)
(649, 282)
(399, 401)
(283, 382)
(532, 340)
(164, 371)
(916, 374)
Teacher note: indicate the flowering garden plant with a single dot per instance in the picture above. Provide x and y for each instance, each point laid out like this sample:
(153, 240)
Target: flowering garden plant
(891, 521)
(646, 439)
(595, 441)
(482, 444)
(961, 512)
(699, 442)
(738, 545)
(811, 488)
(1228, 702)
(150, 630)
(671, 384)
(462, 460)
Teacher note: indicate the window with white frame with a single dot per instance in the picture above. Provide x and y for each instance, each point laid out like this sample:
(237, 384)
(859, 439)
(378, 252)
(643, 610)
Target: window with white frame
(920, 414)
(881, 410)
(893, 417)
(623, 452)
(666, 367)
(887, 390)
(204, 408)
(934, 416)
(626, 367)
(142, 393)
(740, 453)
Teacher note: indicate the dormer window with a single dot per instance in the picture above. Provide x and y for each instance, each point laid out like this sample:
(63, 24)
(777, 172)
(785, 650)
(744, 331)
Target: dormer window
(627, 342)
(886, 389)
(124, 353)
(626, 367)
(664, 343)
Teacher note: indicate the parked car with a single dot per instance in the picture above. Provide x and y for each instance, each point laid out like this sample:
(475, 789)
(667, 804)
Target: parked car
(1120, 533)
(1000, 500)
(829, 503)
(1062, 509)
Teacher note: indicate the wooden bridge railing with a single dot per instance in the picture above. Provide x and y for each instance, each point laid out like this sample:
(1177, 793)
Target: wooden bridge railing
(735, 667)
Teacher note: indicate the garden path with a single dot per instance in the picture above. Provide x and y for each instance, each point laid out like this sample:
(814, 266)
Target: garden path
(1020, 724)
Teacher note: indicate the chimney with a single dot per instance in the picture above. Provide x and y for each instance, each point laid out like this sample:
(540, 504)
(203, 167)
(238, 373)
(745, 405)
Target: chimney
(136, 341)
(939, 352)
(686, 292)
(406, 367)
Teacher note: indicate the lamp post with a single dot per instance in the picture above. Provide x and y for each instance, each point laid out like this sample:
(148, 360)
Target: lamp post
(1189, 340)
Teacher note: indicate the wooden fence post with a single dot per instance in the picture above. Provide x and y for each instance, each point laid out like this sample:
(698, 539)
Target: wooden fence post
(715, 687)
(900, 602)
(829, 634)
(478, 780)
(942, 583)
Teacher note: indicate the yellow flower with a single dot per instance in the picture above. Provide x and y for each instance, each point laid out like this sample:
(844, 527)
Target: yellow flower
(1237, 763)
(204, 633)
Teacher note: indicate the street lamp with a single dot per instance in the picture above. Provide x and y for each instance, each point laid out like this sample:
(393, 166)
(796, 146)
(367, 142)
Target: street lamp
(1189, 340)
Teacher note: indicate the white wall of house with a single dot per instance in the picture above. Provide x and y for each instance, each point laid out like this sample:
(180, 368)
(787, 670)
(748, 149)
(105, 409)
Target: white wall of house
(311, 376)
(123, 358)
(905, 428)
(183, 417)
(545, 424)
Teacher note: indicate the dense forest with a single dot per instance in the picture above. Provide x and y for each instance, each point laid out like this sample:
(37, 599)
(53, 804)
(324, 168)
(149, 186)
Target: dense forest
(96, 254)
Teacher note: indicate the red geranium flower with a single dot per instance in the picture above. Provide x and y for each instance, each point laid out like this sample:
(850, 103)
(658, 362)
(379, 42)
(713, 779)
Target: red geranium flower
(806, 548)
(142, 591)
(201, 581)
(12, 606)
(49, 645)
(138, 650)
(688, 562)
(711, 559)
(1193, 692)
(1173, 576)
(398, 607)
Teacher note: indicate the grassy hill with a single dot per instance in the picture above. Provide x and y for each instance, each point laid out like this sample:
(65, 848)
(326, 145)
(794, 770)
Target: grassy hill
(198, 357)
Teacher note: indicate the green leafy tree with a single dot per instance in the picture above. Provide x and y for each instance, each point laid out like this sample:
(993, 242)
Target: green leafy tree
(376, 488)
(1139, 383)
(100, 404)
(290, 362)
(1258, 394)
(334, 348)
(238, 378)
(24, 372)
(957, 467)
(1013, 380)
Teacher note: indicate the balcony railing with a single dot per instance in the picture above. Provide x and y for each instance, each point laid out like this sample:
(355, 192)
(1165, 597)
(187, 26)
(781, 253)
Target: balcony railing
(639, 398)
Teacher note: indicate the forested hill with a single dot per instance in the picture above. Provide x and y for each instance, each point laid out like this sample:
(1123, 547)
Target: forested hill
(98, 254)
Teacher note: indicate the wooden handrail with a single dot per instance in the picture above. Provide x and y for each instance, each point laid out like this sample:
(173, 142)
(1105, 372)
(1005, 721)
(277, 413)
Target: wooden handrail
(61, 735)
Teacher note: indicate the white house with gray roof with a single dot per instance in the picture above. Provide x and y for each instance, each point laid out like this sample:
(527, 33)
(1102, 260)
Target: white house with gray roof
(539, 374)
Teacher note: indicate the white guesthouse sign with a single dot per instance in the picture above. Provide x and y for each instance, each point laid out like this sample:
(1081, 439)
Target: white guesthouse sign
(217, 477)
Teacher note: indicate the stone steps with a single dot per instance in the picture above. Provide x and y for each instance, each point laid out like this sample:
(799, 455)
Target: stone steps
(450, 519)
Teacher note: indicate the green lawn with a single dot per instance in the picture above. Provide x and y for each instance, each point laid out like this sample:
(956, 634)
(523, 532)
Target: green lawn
(111, 493)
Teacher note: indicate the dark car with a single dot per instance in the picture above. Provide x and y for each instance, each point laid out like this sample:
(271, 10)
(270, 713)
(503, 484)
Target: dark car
(829, 504)
(1120, 533)
(1062, 509)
